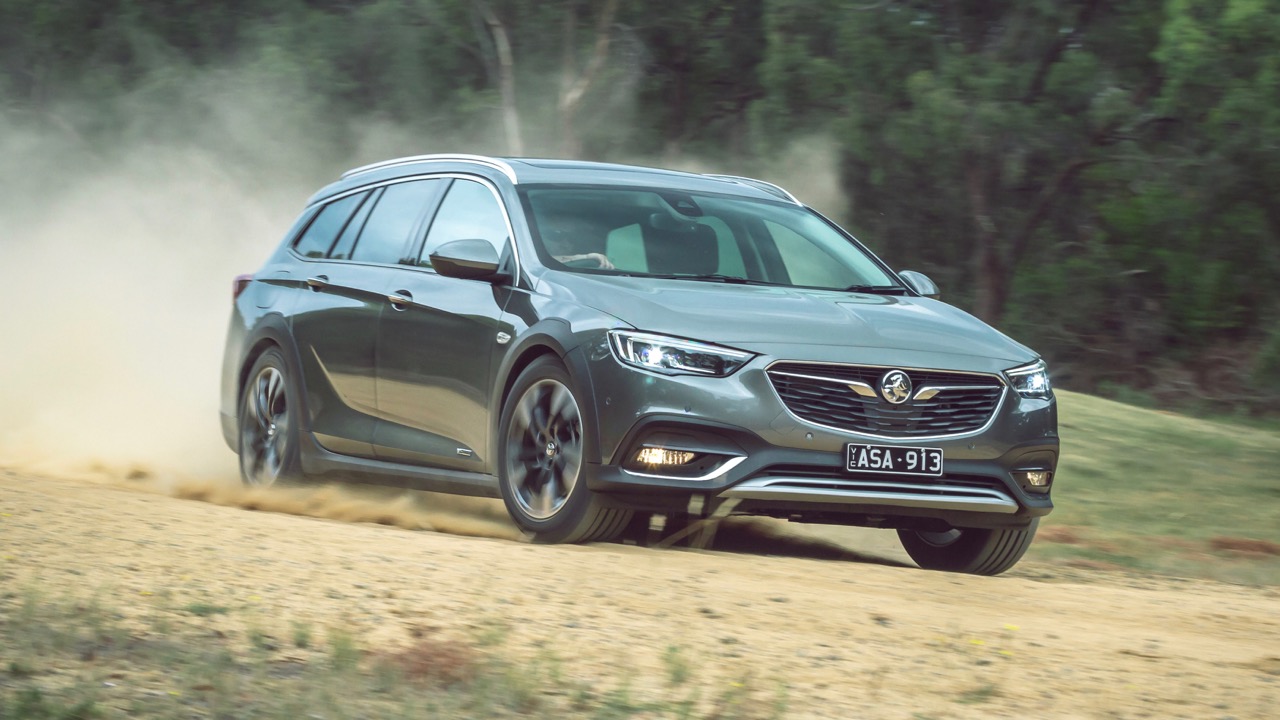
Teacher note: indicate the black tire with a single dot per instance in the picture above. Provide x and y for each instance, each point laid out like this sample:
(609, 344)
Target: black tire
(977, 551)
(269, 424)
(542, 449)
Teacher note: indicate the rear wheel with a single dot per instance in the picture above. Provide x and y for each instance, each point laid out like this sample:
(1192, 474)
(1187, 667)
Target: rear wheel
(542, 453)
(268, 424)
(979, 551)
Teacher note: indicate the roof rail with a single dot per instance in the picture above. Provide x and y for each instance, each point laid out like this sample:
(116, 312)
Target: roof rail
(775, 190)
(499, 165)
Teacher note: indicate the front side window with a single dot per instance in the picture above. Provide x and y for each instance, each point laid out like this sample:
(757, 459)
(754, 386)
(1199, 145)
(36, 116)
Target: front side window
(386, 231)
(676, 234)
(469, 211)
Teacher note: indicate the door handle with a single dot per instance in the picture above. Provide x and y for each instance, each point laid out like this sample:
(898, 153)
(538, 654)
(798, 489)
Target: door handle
(318, 282)
(400, 299)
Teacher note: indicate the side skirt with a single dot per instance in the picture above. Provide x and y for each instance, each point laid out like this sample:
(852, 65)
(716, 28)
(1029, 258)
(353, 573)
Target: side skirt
(319, 464)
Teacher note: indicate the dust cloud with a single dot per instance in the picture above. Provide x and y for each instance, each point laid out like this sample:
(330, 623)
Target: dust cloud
(116, 263)
(116, 288)
(409, 510)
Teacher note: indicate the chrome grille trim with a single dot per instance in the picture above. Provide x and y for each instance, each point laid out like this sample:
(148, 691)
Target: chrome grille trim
(912, 421)
(861, 492)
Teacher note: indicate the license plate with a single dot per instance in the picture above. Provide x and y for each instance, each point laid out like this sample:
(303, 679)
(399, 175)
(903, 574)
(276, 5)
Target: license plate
(894, 460)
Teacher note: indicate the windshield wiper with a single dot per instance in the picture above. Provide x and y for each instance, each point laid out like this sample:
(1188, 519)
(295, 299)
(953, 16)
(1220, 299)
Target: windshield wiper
(709, 277)
(877, 289)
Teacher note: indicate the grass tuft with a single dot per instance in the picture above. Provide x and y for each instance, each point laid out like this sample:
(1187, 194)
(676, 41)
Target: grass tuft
(301, 634)
(677, 666)
(95, 663)
(982, 693)
(205, 609)
(343, 653)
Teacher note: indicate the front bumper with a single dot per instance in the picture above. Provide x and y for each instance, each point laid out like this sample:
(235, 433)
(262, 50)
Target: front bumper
(786, 467)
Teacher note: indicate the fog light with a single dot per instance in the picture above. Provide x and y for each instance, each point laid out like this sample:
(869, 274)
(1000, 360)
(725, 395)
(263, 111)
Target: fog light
(662, 456)
(1038, 478)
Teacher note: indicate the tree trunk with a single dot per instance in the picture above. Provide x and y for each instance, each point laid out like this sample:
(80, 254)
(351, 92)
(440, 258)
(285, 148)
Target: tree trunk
(574, 85)
(506, 79)
(988, 266)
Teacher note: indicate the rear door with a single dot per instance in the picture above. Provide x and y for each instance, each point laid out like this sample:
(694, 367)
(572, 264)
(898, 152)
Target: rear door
(436, 350)
(335, 325)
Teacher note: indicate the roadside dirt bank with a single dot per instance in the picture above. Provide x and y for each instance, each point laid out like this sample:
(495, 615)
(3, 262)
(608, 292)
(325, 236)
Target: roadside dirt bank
(846, 634)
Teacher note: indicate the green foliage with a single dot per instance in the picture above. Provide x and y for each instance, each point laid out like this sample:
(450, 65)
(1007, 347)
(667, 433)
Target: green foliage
(1266, 372)
(31, 704)
(1098, 179)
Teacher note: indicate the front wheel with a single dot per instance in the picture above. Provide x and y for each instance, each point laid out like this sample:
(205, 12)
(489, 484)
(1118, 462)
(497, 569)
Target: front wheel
(978, 551)
(543, 450)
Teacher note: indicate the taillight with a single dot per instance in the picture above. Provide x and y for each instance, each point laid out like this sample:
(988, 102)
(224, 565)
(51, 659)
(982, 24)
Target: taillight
(239, 284)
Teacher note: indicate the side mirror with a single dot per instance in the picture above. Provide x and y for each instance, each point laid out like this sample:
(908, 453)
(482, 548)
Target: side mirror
(467, 259)
(920, 283)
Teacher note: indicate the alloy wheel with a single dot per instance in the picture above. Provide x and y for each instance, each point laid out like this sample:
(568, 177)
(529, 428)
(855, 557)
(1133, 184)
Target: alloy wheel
(265, 428)
(544, 448)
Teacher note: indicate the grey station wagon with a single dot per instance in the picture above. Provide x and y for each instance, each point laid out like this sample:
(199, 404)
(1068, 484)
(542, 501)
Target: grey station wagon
(602, 344)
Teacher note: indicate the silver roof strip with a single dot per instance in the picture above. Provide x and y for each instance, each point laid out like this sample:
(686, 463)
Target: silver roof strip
(768, 187)
(499, 165)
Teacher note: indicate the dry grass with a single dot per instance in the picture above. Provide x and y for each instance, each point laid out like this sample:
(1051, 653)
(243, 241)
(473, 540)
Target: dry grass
(434, 660)
(76, 659)
(1245, 545)
(1156, 491)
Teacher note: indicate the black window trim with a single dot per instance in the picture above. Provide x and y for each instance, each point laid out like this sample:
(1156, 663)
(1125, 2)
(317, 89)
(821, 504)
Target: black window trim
(416, 245)
(314, 209)
(415, 249)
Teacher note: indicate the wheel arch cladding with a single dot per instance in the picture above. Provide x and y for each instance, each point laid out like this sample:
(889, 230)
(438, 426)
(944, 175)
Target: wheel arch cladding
(272, 333)
(251, 357)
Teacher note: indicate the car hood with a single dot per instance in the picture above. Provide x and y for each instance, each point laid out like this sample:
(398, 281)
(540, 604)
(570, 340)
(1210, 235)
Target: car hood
(748, 314)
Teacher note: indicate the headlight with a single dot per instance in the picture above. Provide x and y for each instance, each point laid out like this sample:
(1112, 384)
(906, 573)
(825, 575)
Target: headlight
(672, 356)
(1031, 381)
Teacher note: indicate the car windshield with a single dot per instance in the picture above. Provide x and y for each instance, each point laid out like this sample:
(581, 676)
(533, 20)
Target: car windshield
(676, 234)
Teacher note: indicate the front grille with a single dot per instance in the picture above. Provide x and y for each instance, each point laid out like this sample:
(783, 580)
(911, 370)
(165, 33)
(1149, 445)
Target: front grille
(820, 393)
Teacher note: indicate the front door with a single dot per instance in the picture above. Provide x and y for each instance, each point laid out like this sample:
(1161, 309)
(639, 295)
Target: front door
(436, 350)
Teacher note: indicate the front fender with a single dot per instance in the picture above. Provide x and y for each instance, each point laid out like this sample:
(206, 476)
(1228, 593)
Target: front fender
(543, 325)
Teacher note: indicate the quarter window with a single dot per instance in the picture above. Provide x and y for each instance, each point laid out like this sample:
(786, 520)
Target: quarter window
(469, 211)
(320, 234)
(387, 230)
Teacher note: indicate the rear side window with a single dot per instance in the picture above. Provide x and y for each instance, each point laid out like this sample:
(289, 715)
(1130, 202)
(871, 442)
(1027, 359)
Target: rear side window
(324, 229)
(347, 240)
(387, 230)
(469, 211)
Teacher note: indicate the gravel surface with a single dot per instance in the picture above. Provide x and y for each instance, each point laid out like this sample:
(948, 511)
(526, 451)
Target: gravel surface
(854, 636)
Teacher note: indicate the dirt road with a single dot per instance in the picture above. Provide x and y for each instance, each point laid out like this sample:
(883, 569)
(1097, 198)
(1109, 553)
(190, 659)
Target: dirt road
(845, 637)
